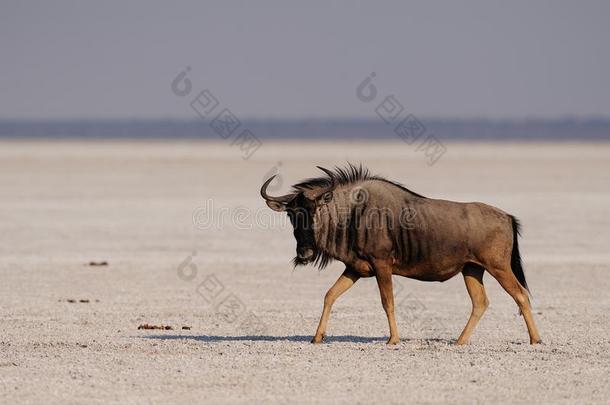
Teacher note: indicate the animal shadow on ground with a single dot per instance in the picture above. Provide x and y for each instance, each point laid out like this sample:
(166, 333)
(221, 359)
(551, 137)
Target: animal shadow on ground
(293, 338)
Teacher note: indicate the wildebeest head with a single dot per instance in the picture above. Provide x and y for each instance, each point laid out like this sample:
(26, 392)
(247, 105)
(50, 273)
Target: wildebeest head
(301, 205)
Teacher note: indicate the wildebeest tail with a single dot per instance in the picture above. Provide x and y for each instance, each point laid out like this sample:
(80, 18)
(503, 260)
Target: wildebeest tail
(515, 258)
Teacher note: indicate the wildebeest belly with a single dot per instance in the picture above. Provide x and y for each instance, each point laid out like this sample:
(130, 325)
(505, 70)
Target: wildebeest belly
(426, 272)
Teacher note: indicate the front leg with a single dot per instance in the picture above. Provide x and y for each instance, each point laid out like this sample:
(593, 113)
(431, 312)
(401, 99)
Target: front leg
(383, 270)
(343, 283)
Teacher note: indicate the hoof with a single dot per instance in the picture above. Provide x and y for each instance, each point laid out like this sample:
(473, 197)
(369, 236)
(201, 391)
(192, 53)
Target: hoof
(318, 339)
(392, 341)
(536, 342)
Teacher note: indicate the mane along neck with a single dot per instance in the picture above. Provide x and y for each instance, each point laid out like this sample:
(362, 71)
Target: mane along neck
(349, 175)
(333, 223)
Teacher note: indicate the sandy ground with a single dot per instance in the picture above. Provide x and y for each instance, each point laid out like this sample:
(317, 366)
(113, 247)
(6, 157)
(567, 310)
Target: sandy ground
(145, 209)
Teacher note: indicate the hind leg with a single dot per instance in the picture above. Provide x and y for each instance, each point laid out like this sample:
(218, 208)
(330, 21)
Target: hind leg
(511, 285)
(473, 277)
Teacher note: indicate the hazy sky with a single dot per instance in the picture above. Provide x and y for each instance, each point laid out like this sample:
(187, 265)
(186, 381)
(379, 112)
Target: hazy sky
(262, 59)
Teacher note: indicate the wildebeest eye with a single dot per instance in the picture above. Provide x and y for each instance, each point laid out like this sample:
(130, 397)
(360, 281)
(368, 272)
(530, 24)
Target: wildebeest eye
(326, 197)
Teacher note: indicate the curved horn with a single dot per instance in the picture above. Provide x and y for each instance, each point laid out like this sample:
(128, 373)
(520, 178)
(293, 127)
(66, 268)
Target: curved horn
(333, 179)
(282, 199)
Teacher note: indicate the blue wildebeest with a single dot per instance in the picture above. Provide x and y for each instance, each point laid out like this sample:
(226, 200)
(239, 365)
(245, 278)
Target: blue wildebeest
(378, 228)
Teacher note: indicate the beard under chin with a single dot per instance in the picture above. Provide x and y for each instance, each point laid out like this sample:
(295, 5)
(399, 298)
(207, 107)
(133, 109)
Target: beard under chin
(297, 261)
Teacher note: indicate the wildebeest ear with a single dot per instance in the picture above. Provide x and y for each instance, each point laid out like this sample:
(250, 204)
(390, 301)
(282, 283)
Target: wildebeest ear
(276, 206)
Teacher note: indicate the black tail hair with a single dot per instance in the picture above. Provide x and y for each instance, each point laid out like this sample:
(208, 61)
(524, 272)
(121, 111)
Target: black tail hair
(515, 257)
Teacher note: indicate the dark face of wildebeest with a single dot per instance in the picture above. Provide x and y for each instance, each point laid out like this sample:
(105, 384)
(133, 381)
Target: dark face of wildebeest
(301, 205)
